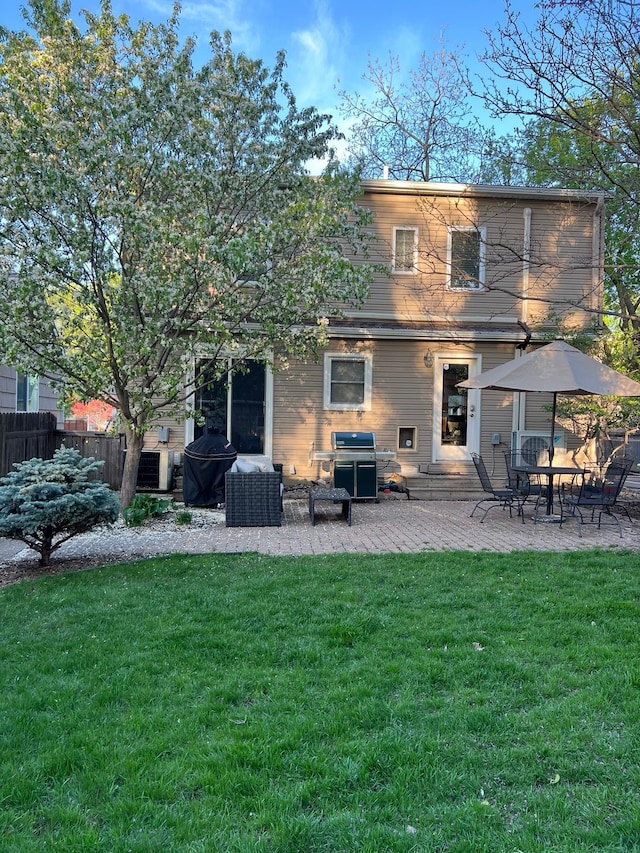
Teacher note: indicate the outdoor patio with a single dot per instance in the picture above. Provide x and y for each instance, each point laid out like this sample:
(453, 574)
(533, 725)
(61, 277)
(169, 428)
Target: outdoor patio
(394, 525)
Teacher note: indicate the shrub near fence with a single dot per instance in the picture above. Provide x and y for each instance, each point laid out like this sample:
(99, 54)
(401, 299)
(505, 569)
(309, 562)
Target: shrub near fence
(26, 436)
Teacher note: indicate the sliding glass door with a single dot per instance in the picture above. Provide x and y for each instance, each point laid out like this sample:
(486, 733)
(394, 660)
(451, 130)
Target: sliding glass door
(235, 404)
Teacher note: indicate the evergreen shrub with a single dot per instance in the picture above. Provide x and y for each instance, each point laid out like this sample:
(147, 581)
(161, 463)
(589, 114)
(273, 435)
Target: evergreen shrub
(44, 503)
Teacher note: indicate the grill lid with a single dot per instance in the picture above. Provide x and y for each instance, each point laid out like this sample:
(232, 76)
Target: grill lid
(353, 440)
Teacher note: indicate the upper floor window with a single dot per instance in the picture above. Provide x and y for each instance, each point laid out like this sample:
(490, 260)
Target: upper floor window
(466, 258)
(405, 250)
(27, 396)
(347, 382)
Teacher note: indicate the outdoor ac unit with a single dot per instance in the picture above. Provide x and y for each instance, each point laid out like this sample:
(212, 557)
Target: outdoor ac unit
(156, 470)
(530, 445)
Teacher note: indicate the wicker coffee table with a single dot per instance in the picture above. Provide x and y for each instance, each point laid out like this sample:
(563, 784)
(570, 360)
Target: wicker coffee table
(335, 496)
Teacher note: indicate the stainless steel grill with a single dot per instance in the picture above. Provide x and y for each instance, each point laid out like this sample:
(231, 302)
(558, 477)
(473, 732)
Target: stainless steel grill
(354, 461)
(353, 446)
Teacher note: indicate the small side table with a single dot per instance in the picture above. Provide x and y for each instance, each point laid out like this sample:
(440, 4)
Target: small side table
(334, 495)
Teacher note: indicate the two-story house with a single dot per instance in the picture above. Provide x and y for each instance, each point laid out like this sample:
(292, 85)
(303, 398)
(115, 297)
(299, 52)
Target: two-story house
(469, 276)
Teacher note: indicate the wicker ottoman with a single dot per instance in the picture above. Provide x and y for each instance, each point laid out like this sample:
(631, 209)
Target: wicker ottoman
(253, 499)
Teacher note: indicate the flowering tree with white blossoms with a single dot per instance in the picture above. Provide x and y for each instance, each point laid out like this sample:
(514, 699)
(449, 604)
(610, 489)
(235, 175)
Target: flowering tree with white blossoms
(151, 211)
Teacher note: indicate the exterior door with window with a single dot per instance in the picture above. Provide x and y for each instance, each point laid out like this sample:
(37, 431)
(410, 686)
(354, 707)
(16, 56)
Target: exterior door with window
(456, 411)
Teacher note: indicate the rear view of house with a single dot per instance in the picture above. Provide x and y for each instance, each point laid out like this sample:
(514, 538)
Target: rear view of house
(469, 276)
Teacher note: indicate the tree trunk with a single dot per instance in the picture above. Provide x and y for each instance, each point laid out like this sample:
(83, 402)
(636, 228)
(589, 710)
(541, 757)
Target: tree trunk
(45, 549)
(131, 463)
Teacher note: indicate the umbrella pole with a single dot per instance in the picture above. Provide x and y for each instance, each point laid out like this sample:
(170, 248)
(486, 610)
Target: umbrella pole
(551, 454)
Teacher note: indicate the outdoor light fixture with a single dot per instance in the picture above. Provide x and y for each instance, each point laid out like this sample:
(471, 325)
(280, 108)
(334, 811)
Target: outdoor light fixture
(428, 358)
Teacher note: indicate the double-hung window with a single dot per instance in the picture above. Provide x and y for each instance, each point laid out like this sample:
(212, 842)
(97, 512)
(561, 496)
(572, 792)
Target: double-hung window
(466, 258)
(347, 382)
(27, 393)
(405, 250)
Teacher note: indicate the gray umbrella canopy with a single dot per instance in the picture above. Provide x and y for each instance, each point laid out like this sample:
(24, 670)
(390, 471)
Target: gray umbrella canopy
(557, 368)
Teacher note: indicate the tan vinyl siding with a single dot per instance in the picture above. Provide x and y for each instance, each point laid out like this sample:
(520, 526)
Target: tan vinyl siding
(402, 396)
(561, 271)
(560, 266)
(176, 441)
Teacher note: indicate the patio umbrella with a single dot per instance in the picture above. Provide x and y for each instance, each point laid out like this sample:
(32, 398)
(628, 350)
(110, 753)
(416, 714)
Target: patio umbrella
(556, 368)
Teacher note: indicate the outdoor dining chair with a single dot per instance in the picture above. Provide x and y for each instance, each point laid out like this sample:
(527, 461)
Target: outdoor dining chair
(504, 497)
(530, 486)
(598, 495)
(524, 485)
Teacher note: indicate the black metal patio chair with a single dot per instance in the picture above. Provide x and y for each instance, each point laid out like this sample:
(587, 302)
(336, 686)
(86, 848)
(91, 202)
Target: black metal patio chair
(519, 481)
(598, 495)
(527, 486)
(504, 497)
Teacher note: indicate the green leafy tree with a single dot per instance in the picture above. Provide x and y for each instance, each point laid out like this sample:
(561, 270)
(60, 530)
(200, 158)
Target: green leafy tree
(151, 211)
(574, 78)
(554, 156)
(44, 503)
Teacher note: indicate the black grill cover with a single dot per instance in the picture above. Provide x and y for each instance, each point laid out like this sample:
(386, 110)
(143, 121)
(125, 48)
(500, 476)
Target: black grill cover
(206, 460)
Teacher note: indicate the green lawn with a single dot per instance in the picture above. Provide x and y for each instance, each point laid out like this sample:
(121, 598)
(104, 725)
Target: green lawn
(440, 702)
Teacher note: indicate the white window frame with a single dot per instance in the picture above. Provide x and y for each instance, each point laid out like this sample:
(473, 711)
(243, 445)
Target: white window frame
(414, 265)
(467, 286)
(365, 405)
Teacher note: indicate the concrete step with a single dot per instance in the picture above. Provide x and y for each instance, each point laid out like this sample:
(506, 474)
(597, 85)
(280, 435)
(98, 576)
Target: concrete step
(440, 487)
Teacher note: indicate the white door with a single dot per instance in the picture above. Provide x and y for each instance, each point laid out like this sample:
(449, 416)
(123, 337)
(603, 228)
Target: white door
(456, 411)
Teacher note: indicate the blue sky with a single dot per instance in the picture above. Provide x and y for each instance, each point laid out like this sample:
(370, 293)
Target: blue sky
(327, 42)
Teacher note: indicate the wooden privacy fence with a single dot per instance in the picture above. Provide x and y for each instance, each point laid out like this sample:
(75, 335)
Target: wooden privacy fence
(25, 436)
(34, 435)
(108, 448)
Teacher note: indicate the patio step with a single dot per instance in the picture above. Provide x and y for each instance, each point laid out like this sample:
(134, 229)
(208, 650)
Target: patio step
(462, 486)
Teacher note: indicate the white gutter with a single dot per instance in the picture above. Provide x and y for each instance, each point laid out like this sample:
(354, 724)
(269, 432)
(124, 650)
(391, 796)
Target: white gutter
(382, 334)
(426, 188)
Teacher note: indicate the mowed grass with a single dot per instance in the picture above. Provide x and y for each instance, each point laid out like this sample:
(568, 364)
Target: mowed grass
(440, 702)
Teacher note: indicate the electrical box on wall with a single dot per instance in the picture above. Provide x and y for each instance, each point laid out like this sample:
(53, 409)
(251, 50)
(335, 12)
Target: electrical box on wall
(495, 438)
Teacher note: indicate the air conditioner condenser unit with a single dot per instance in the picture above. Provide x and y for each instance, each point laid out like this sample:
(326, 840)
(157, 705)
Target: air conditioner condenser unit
(156, 470)
(531, 445)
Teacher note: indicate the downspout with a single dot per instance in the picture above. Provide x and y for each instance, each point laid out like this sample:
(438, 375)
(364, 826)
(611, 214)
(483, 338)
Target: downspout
(519, 400)
(526, 257)
(597, 275)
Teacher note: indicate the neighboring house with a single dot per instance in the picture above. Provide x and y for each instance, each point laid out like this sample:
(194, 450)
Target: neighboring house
(472, 271)
(21, 392)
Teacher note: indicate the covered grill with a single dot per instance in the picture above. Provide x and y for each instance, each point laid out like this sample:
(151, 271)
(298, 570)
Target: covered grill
(354, 461)
(206, 460)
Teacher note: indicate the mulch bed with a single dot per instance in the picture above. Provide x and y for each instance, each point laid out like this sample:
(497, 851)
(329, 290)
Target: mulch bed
(27, 569)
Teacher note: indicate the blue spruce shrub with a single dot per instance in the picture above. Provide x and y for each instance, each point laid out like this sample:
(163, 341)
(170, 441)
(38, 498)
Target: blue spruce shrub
(44, 503)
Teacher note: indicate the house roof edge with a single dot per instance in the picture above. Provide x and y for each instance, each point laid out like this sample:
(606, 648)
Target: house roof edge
(434, 188)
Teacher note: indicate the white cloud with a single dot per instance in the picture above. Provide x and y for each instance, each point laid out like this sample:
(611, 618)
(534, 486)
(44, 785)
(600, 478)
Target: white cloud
(211, 15)
(314, 63)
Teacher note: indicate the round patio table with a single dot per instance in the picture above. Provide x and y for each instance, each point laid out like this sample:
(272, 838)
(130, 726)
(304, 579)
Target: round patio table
(549, 472)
